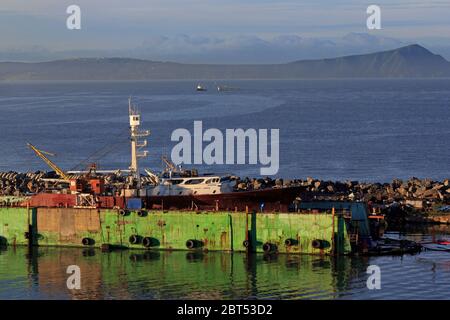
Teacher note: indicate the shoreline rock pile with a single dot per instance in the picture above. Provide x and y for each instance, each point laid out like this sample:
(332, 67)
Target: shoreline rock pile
(15, 184)
(395, 191)
(19, 184)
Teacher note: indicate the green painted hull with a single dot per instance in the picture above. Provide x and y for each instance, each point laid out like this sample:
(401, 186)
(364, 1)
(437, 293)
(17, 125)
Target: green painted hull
(13, 226)
(208, 231)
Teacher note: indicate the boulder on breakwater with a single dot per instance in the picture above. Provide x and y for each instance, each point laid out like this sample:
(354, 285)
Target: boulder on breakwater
(411, 200)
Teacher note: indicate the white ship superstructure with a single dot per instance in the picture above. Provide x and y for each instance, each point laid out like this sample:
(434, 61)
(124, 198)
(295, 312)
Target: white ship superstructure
(200, 185)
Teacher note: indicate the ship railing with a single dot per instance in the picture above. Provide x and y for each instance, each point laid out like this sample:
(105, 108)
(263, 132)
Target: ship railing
(12, 201)
(84, 200)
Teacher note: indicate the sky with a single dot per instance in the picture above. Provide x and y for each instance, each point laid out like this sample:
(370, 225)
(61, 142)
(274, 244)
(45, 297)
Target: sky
(213, 31)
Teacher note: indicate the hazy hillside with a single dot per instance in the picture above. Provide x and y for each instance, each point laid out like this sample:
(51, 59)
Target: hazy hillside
(409, 61)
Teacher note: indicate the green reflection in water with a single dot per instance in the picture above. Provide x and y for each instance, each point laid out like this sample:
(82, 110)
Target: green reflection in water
(41, 273)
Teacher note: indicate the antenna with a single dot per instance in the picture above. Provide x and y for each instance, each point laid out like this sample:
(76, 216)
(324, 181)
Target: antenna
(129, 105)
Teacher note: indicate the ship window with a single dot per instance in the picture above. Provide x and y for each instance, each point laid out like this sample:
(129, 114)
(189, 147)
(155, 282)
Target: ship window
(223, 179)
(214, 191)
(175, 181)
(194, 181)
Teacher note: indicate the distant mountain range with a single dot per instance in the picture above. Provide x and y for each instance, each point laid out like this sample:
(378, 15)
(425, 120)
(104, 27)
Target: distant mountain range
(409, 61)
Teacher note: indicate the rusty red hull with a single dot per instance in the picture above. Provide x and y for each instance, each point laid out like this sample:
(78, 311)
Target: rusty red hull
(52, 200)
(271, 200)
(266, 199)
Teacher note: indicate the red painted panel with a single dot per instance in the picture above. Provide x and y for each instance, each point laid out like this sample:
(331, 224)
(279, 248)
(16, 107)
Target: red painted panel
(53, 200)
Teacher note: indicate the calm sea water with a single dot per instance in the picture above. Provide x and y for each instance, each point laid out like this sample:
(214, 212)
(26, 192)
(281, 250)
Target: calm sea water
(41, 274)
(370, 130)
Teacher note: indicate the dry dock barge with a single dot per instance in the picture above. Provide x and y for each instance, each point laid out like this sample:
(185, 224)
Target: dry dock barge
(182, 210)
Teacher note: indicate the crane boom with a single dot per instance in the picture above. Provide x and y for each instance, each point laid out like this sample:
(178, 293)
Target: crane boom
(41, 154)
(169, 163)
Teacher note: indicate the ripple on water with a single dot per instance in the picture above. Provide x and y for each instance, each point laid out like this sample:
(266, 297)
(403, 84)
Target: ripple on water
(213, 275)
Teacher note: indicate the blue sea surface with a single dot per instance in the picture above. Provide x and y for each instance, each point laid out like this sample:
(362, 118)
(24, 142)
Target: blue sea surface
(367, 130)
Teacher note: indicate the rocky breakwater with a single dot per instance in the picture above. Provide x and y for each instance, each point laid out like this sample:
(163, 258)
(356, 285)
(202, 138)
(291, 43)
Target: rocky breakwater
(412, 200)
(20, 184)
(402, 201)
(17, 184)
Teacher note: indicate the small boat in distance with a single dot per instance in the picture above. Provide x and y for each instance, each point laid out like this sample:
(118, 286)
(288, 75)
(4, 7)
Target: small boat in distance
(201, 88)
(224, 88)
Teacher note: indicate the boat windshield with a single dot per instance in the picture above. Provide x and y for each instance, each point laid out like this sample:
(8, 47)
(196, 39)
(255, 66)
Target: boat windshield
(174, 181)
(194, 181)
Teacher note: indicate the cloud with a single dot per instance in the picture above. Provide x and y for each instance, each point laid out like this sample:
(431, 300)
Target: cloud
(109, 21)
(233, 31)
(232, 49)
(257, 49)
